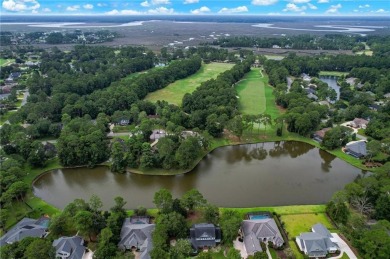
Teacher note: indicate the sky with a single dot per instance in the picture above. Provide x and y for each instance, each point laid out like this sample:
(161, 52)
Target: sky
(198, 7)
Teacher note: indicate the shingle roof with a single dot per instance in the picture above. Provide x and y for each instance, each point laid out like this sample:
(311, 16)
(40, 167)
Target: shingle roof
(71, 245)
(357, 147)
(322, 230)
(204, 234)
(137, 235)
(252, 244)
(27, 227)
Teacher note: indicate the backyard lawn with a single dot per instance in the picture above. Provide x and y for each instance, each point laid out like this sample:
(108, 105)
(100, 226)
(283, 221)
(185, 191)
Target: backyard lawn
(6, 62)
(174, 92)
(298, 223)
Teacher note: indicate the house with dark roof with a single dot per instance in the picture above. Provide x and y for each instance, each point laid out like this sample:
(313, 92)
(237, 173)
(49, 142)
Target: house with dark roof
(255, 231)
(320, 134)
(138, 236)
(204, 235)
(317, 243)
(69, 247)
(26, 228)
(356, 149)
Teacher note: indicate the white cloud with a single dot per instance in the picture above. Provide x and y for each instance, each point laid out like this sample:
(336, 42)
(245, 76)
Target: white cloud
(364, 6)
(123, 12)
(381, 11)
(161, 10)
(311, 6)
(20, 5)
(264, 2)
(240, 9)
(145, 4)
(190, 1)
(323, 1)
(46, 10)
(203, 9)
(101, 4)
(333, 9)
(73, 8)
(294, 8)
(88, 6)
(34, 11)
(299, 1)
(160, 2)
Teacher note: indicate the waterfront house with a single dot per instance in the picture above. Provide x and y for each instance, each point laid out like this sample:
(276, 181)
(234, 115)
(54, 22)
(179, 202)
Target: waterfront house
(69, 247)
(204, 235)
(255, 231)
(359, 123)
(320, 134)
(312, 96)
(317, 243)
(137, 234)
(356, 149)
(27, 227)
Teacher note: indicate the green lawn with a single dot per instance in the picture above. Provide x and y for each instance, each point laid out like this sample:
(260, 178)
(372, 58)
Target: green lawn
(273, 253)
(295, 224)
(274, 57)
(251, 93)
(332, 73)
(174, 92)
(6, 62)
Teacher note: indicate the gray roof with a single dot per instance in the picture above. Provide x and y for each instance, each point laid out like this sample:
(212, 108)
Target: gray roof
(322, 230)
(204, 234)
(317, 243)
(27, 227)
(262, 228)
(137, 235)
(69, 245)
(252, 244)
(357, 147)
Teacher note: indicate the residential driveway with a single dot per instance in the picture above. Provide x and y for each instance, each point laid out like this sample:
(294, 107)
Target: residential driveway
(88, 255)
(343, 247)
(345, 124)
(240, 247)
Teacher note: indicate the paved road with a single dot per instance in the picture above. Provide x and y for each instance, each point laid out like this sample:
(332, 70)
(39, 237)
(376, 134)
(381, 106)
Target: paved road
(25, 96)
(119, 134)
(344, 248)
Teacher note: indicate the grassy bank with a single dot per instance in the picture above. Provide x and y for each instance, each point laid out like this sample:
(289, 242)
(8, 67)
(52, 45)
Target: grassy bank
(332, 73)
(174, 92)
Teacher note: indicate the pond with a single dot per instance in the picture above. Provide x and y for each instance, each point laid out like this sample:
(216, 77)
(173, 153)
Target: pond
(265, 174)
(332, 83)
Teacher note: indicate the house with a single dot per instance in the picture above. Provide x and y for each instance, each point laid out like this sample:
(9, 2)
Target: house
(312, 96)
(124, 122)
(137, 234)
(387, 96)
(204, 235)
(317, 243)
(356, 148)
(69, 247)
(375, 107)
(27, 227)
(324, 103)
(306, 77)
(309, 90)
(320, 134)
(255, 231)
(359, 123)
(157, 134)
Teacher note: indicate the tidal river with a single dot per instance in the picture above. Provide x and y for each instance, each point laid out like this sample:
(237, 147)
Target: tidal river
(266, 174)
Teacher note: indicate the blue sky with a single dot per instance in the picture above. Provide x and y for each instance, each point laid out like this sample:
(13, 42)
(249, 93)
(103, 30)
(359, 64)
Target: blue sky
(165, 7)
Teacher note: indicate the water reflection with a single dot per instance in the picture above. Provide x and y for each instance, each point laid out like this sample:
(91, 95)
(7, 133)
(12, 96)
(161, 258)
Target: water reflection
(275, 173)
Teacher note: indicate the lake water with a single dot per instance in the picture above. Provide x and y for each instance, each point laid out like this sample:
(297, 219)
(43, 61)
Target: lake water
(266, 174)
(332, 83)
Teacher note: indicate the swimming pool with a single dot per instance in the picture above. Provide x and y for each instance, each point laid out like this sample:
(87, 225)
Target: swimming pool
(259, 216)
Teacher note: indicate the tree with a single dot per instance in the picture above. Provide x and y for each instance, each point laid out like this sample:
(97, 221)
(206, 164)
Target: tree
(373, 148)
(260, 255)
(188, 151)
(40, 249)
(375, 243)
(233, 254)
(174, 223)
(59, 224)
(105, 248)
(84, 223)
(211, 213)
(119, 162)
(119, 205)
(193, 199)
(95, 203)
(230, 223)
(158, 253)
(181, 250)
(236, 126)
(382, 207)
(37, 155)
(362, 204)
(163, 200)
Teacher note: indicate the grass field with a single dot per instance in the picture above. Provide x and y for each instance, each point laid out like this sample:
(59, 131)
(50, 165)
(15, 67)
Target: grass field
(332, 73)
(298, 223)
(6, 62)
(274, 57)
(174, 92)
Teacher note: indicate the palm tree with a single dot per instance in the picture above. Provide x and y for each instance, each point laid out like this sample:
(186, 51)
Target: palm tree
(266, 121)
